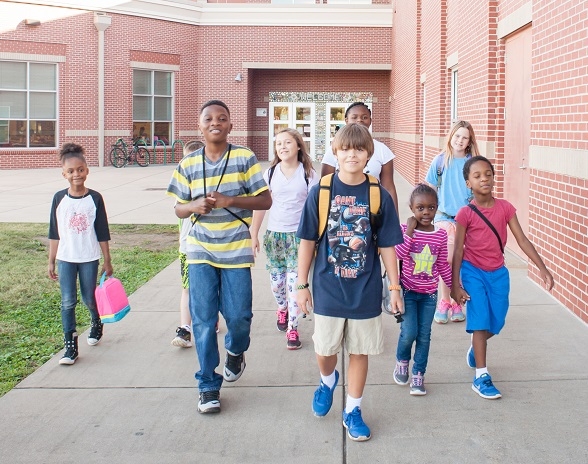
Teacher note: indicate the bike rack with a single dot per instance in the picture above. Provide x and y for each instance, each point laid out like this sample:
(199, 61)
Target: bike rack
(160, 142)
(173, 150)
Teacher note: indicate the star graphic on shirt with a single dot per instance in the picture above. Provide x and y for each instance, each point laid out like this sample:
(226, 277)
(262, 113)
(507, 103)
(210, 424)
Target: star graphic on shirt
(423, 261)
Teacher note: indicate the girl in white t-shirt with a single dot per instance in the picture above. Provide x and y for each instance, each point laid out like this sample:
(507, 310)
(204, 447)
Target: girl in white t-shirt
(290, 177)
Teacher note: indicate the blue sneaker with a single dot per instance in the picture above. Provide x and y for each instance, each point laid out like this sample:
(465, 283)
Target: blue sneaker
(323, 398)
(484, 387)
(470, 359)
(356, 428)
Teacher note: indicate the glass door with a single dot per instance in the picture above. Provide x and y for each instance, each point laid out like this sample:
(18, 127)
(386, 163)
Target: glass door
(335, 119)
(299, 116)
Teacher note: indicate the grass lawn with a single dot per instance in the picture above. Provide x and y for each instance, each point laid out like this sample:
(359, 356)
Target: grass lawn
(30, 319)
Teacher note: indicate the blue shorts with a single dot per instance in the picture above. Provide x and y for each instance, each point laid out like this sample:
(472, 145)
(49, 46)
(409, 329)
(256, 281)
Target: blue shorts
(488, 292)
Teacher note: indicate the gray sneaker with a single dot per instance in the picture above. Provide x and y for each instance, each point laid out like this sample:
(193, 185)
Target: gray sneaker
(401, 372)
(417, 385)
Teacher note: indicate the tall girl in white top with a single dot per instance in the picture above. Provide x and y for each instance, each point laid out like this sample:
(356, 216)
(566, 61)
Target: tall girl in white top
(290, 177)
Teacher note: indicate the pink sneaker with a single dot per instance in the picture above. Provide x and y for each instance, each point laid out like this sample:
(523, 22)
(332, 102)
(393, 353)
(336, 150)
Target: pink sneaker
(293, 340)
(441, 312)
(282, 322)
(457, 314)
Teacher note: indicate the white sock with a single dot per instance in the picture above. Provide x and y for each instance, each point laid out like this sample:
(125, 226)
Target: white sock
(479, 372)
(187, 327)
(329, 380)
(352, 403)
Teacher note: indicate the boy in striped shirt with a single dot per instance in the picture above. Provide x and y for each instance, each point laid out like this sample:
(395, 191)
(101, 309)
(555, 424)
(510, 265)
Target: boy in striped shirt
(218, 187)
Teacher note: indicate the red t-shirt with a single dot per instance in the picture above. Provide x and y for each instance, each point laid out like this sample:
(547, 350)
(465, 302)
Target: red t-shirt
(481, 246)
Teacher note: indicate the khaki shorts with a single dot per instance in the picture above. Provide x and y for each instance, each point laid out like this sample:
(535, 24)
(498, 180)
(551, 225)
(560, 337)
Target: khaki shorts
(362, 336)
(450, 228)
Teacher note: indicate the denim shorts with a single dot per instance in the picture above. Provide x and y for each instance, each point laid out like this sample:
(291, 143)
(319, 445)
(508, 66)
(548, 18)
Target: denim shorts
(488, 304)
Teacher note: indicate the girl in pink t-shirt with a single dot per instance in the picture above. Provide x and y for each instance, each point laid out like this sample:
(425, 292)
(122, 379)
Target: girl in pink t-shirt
(479, 259)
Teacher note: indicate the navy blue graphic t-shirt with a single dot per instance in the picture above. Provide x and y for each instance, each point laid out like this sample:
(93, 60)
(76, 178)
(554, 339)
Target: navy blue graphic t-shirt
(347, 278)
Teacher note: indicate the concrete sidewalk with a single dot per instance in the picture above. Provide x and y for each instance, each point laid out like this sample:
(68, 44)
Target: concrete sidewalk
(132, 398)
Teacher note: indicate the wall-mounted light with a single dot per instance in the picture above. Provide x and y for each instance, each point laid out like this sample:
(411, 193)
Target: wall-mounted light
(239, 77)
(32, 22)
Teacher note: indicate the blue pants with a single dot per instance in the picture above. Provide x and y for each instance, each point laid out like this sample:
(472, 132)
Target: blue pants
(419, 309)
(68, 280)
(227, 290)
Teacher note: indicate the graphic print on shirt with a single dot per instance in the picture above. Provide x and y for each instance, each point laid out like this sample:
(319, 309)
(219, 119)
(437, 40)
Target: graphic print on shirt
(347, 229)
(79, 223)
(424, 261)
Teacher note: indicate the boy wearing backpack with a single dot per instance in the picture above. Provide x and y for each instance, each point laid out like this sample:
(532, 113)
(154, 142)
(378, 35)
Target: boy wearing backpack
(347, 282)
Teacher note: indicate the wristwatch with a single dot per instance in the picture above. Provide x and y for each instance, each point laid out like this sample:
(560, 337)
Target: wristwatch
(302, 286)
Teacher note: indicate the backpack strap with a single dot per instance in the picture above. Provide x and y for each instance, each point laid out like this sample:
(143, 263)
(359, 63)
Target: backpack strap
(271, 174)
(375, 199)
(441, 166)
(324, 204)
(375, 203)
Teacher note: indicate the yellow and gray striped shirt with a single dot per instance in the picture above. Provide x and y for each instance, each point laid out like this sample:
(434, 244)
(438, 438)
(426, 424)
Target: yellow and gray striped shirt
(220, 238)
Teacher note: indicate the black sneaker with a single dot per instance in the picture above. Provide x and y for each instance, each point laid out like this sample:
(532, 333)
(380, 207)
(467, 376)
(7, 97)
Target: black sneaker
(234, 367)
(71, 349)
(209, 402)
(95, 333)
(183, 338)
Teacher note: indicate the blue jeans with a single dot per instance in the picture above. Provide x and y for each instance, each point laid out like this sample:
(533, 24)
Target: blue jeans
(227, 290)
(68, 279)
(419, 309)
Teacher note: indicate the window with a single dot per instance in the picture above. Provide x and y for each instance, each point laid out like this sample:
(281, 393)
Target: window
(290, 2)
(152, 107)
(296, 115)
(28, 104)
(454, 94)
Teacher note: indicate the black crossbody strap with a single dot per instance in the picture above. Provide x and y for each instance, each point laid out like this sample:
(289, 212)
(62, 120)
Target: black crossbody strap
(485, 219)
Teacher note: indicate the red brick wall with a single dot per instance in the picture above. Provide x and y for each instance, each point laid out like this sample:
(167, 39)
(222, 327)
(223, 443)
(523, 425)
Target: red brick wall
(406, 106)
(558, 204)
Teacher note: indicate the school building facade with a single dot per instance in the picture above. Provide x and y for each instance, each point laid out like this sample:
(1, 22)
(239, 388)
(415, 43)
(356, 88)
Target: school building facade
(517, 70)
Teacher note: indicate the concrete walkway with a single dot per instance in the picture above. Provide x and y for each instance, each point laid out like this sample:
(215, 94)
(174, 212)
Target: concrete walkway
(132, 398)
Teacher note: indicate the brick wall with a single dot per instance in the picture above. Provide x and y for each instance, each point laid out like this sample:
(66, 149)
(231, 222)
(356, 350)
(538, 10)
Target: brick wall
(406, 106)
(559, 205)
(425, 34)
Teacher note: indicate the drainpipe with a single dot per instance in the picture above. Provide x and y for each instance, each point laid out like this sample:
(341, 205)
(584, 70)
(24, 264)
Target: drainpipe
(101, 22)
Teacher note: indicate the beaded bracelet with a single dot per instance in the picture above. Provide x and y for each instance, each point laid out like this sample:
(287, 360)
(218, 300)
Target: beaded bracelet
(394, 287)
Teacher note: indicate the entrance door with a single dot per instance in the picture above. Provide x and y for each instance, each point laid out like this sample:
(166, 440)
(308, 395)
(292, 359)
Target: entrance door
(296, 115)
(517, 128)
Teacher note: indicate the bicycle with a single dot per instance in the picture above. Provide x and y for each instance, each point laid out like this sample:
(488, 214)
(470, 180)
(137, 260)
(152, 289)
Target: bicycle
(120, 155)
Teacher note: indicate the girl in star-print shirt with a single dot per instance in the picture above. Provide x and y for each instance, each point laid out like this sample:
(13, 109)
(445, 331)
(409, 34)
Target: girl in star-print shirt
(424, 260)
